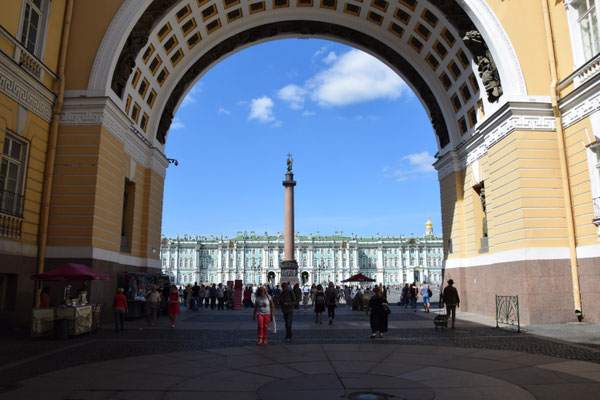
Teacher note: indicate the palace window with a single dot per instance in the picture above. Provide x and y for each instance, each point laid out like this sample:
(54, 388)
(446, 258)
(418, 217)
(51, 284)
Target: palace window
(583, 23)
(588, 27)
(33, 25)
(12, 176)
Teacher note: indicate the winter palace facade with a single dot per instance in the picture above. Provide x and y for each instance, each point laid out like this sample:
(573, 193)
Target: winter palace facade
(255, 259)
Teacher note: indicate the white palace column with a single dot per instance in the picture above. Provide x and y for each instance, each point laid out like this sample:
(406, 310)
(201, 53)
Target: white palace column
(380, 265)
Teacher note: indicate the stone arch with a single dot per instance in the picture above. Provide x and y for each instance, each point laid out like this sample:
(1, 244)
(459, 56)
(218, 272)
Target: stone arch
(414, 37)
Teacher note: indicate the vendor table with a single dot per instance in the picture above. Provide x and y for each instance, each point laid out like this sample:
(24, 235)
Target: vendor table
(80, 319)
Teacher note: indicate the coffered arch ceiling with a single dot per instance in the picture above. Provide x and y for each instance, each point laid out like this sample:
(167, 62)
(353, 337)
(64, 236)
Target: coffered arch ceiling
(165, 46)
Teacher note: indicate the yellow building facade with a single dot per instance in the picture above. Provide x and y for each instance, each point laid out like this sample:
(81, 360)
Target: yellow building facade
(88, 91)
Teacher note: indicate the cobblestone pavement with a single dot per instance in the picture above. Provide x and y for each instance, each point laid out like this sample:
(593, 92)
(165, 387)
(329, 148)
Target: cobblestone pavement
(86, 366)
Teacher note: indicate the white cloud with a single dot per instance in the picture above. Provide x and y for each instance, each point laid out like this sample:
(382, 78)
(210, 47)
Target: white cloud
(421, 162)
(354, 77)
(262, 109)
(277, 124)
(331, 58)
(223, 111)
(177, 124)
(190, 98)
(293, 95)
(308, 113)
(419, 165)
(322, 50)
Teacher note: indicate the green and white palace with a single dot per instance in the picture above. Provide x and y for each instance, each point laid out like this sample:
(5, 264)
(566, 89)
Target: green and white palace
(256, 258)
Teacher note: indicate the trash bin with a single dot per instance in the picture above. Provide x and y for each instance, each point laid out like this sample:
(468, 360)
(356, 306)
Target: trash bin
(61, 329)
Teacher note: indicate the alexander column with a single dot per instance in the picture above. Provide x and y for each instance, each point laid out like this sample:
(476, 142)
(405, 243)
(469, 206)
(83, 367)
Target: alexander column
(289, 266)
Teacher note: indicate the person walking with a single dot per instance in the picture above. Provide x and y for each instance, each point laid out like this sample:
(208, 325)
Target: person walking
(379, 315)
(451, 300)
(264, 308)
(220, 297)
(319, 304)
(313, 293)
(207, 296)
(298, 295)
(195, 291)
(213, 296)
(287, 301)
(405, 295)
(201, 293)
(119, 309)
(248, 297)
(152, 305)
(305, 297)
(173, 305)
(331, 301)
(425, 292)
(414, 295)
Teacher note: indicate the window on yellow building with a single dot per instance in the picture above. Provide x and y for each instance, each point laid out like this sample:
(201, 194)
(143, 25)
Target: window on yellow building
(32, 25)
(588, 26)
(12, 175)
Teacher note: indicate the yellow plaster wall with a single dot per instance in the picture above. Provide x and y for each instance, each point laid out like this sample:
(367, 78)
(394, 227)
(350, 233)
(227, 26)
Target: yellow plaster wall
(10, 16)
(526, 197)
(54, 34)
(524, 23)
(576, 138)
(86, 209)
(451, 194)
(91, 19)
(35, 133)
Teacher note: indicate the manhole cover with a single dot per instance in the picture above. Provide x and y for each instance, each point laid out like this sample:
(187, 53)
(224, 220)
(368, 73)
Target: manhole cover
(369, 396)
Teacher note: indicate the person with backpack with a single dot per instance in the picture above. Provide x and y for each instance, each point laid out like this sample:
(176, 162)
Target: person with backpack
(426, 293)
(319, 304)
(287, 300)
(331, 301)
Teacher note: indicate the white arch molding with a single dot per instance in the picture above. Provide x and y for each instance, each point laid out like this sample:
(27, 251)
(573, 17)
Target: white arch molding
(479, 12)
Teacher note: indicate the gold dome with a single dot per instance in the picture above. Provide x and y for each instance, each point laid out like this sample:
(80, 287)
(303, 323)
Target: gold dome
(428, 224)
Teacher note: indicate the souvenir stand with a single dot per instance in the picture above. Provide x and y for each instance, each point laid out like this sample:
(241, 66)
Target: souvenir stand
(136, 285)
(75, 315)
(360, 278)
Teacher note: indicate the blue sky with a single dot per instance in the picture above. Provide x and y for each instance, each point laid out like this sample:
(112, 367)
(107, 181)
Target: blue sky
(361, 141)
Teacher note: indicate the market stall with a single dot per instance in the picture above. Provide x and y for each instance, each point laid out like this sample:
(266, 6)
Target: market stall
(360, 278)
(75, 314)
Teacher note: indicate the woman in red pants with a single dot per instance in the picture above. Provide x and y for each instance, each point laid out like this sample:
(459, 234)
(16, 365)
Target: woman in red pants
(173, 305)
(263, 306)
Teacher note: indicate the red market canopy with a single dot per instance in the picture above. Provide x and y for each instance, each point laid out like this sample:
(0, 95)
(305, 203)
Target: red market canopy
(71, 272)
(359, 278)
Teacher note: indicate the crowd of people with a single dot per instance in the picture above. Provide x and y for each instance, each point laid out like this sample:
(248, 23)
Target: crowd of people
(265, 299)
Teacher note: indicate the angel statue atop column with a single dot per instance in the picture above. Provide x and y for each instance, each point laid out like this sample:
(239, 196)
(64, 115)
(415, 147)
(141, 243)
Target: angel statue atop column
(290, 161)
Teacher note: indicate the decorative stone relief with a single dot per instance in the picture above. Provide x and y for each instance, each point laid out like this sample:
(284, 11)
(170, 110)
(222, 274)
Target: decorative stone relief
(25, 90)
(485, 64)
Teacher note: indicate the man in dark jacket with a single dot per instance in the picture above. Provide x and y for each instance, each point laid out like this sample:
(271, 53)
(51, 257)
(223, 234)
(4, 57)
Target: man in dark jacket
(213, 296)
(451, 300)
(287, 299)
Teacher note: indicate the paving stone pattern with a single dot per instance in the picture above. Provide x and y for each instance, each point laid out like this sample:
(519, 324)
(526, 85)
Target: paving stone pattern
(209, 350)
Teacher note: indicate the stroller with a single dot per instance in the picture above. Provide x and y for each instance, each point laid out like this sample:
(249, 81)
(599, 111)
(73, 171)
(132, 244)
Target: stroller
(441, 319)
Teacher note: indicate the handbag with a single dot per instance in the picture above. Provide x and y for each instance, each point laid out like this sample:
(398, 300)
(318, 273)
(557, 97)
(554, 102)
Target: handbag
(273, 325)
(387, 310)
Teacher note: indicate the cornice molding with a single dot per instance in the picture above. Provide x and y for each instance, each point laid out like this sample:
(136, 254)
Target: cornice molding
(581, 102)
(26, 90)
(512, 116)
(102, 111)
